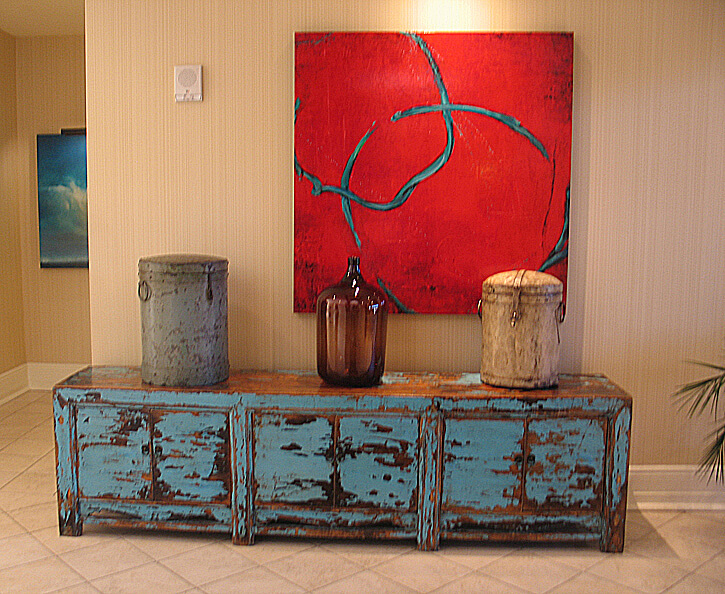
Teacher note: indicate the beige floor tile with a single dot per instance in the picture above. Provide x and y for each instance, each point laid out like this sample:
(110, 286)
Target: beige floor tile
(15, 404)
(257, 580)
(12, 432)
(587, 583)
(714, 568)
(11, 501)
(5, 440)
(422, 571)
(697, 584)
(659, 517)
(44, 464)
(7, 475)
(8, 407)
(206, 564)
(475, 555)
(29, 419)
(479, 583)
(105, 558)
(43, 575)
(20, 549)
(530, 572)
(367, 554)
(313, 568)
(28, 448)
(639, 573)
(710, 516)
(37, 517)
(84, 588)
(9, 527)
(65, 544)
(167, 544)
(579, 556)
(686, 541)
(267, 550)
(148, 578)
(636, 526)
(28, 482)
(42, 433)
(15, 463)
(365, 581)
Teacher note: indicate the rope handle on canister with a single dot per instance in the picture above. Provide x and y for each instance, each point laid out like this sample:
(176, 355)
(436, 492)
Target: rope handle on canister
(515, 313)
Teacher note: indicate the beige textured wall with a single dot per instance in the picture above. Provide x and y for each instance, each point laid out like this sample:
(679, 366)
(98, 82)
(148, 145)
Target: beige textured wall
(51, 96)
(647, 272)
(12, 340)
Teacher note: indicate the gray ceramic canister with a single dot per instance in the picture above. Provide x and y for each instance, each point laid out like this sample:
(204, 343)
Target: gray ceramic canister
(183, 319)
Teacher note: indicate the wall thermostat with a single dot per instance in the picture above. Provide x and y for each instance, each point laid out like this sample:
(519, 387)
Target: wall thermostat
(187, 83)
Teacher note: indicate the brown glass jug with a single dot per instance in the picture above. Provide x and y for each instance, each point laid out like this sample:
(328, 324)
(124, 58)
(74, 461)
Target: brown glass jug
(351, 329)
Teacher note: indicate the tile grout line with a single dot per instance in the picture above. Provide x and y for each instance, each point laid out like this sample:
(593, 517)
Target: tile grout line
(23, 563)
(166, 567)
(305, 588)
(84, 579)
(150, 562)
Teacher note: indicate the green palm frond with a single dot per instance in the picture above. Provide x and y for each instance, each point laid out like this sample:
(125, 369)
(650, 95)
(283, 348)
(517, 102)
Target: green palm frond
(714, 458)
(698, 397)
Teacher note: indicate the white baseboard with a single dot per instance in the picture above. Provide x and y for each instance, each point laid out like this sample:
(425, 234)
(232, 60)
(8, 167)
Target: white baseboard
(661, 486)
(13, 383)
(34, 376)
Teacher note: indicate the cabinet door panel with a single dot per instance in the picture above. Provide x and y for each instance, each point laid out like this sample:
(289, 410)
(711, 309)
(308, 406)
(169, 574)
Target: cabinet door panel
(191, 456)
(377, 462)
(113, 452)
(293, 459)
(567, 468)
(481, 469)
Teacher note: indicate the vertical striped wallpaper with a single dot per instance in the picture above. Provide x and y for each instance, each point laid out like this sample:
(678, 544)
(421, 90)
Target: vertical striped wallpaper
(647, 253)
(12, 340)
(50, 96)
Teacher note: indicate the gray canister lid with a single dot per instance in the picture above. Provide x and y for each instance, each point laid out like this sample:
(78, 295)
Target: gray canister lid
(183, 264)
(532, 282)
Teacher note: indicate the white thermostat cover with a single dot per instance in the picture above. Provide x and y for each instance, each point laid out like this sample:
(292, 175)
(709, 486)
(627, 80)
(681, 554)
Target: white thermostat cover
(187, 83)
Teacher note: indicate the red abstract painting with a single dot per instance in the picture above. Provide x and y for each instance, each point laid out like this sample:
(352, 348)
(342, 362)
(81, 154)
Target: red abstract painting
(438, 158)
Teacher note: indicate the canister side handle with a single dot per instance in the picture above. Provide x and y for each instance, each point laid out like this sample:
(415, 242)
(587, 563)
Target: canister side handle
(144, 291)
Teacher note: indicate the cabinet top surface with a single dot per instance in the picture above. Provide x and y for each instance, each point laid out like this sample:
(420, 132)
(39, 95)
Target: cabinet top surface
(448, 385)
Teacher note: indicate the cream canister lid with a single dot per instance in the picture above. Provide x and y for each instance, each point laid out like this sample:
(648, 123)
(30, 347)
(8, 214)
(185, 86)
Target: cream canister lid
(527, 282)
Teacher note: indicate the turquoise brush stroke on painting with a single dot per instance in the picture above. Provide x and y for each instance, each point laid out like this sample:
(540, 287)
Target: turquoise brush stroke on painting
(561, 249)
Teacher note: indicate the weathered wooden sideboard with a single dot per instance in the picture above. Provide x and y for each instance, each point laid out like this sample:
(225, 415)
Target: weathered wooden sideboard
(424, 456)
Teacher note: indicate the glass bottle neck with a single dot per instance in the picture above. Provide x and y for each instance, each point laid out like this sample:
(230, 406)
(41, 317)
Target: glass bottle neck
(353, 275)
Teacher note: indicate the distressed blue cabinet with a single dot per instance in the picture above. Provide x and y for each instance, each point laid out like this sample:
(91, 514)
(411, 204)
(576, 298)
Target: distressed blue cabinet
(425, 456)
(115, 441)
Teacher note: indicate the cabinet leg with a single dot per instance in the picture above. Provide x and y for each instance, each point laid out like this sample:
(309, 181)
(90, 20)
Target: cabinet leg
(428, 544)
(612, 539)
(70, 526)
(245, 539)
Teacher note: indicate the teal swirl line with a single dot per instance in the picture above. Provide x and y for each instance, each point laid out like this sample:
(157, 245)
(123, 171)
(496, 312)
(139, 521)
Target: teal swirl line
(402, 308)
(561, 249)
(509, 121)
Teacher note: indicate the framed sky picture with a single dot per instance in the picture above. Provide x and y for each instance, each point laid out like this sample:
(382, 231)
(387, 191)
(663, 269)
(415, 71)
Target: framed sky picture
(62, 200)
(438, 158)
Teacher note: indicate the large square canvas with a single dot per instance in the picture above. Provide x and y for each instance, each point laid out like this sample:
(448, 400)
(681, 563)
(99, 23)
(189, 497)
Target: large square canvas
(62, 201)
(438, 158)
